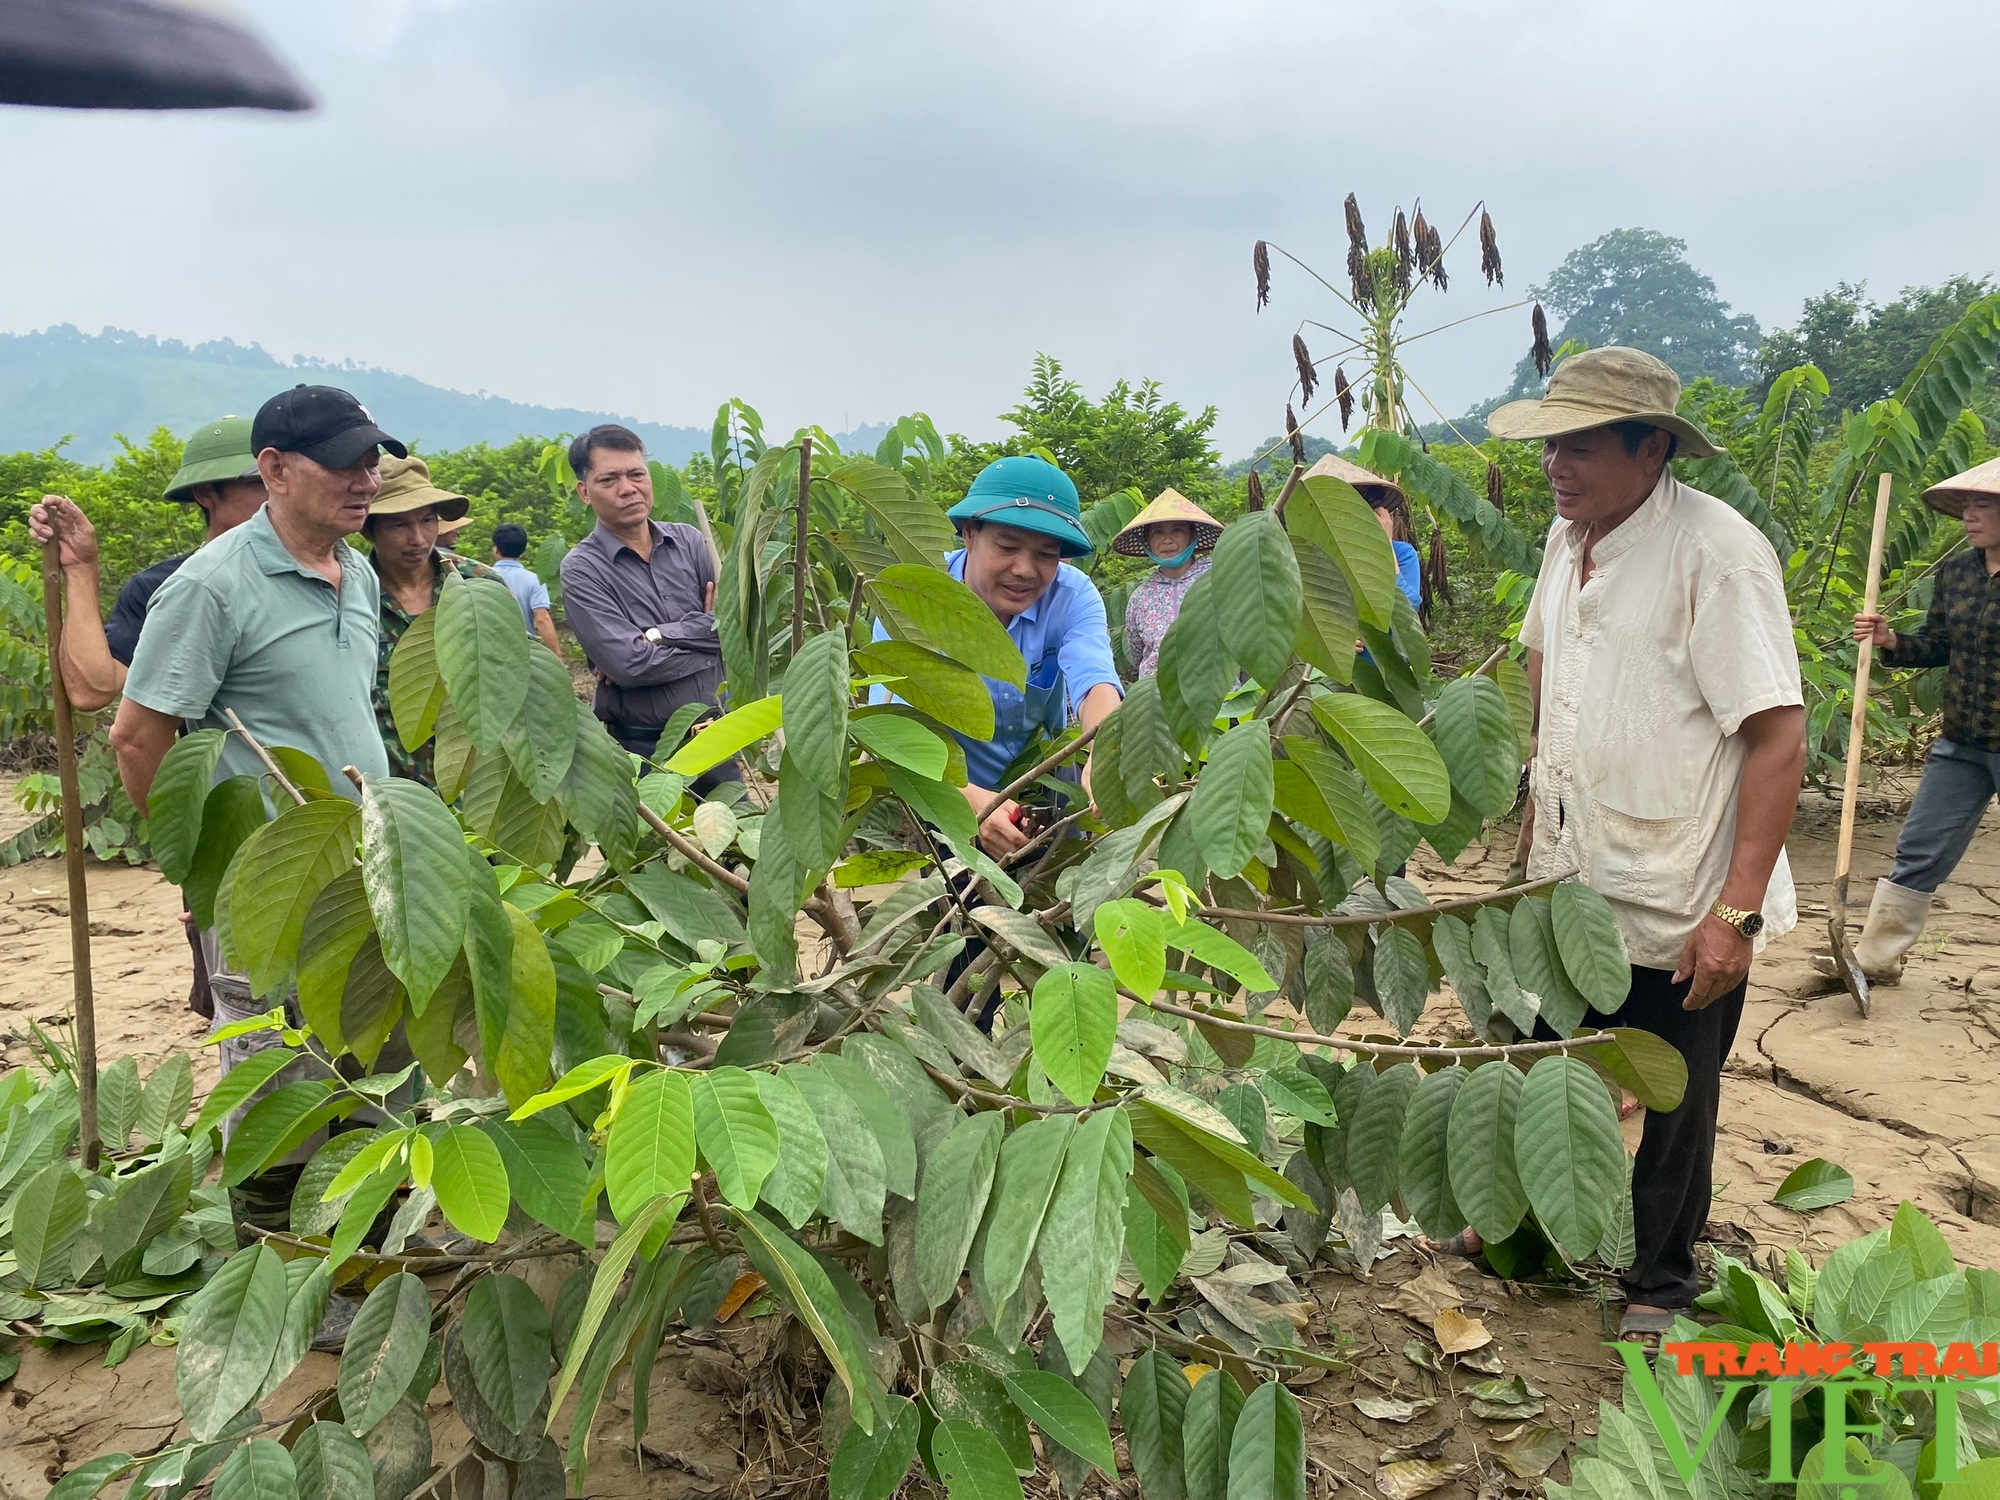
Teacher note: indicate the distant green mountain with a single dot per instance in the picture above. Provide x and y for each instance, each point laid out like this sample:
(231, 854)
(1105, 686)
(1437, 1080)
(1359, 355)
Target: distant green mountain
(62, 383)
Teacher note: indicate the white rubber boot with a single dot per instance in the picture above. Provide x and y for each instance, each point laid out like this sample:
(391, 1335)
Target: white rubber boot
(1895, 922)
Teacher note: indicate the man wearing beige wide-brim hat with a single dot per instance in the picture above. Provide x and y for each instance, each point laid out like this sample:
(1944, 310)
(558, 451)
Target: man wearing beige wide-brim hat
(1961, 633)
(402, 528)
(1671, 739)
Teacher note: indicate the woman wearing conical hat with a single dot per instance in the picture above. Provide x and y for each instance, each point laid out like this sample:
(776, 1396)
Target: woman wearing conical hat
(1961, 633)
(1178, 536)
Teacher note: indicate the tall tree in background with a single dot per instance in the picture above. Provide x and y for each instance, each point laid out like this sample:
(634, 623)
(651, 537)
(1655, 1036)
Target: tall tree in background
(1866, 350)
(1635, 287)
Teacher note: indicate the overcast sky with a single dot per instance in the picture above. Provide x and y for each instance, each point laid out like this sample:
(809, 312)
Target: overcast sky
(845, 212)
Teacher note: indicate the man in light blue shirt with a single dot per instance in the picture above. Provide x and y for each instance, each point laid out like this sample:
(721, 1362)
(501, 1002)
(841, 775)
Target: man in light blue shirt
(510, 541)
(1019, 520)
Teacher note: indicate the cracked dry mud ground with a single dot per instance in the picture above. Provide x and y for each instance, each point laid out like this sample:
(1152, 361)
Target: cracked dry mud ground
(1902, 1100)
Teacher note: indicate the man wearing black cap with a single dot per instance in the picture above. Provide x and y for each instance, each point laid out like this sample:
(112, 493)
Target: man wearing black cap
(276, 622)
(277, 619)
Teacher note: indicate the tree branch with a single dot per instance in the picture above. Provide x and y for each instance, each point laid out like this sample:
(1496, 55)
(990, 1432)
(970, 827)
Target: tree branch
(1374, 1049)
(1371, 919)
(1037, 771)
(696, 855)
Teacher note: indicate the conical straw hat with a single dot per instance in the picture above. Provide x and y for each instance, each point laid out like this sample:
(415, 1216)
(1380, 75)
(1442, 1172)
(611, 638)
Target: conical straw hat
(1371, 484)
(1979, 483)
(1171, 505)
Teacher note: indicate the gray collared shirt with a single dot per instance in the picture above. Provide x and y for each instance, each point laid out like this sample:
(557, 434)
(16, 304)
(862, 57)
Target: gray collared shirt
(612, 596)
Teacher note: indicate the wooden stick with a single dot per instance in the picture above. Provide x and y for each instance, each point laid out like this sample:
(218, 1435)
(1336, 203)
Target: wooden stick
(1372, 918)
(799, 553)
(73, 856)
(1857, 724)
(1484, 669)
(271, 765)
(1037, 771)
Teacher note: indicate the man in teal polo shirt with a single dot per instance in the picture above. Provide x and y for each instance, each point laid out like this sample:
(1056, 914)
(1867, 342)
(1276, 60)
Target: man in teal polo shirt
(1019, 521)
(276, 622)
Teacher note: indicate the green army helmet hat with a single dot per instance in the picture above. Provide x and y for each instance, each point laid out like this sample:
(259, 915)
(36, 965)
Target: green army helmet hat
(215, 454)
(1031, 494)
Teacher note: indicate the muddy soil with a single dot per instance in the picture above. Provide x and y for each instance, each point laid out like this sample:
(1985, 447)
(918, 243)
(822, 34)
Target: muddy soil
(1901, 1099)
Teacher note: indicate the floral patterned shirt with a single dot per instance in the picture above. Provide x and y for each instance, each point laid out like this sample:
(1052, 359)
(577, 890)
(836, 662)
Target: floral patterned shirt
(1151, 609)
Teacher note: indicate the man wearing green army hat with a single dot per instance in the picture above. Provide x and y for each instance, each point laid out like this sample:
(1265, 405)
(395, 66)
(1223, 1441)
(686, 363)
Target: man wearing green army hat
(1020, 521)
(218, 473)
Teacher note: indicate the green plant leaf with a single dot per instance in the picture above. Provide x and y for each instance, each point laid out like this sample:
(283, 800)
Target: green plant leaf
(872, 1465)
(331, 1464)
(792, 1271)
(1258, 594)
(887, 1123)
(735, 1132)
(1531, 945)
(1231, 806)
(1153, 1404)
(1350, 818)
(144, 1204)
(416, 685)
(1212, 1411)
(1150, 1240)
(174, 807)
(927, 606)
(229, 1338)
(1133, 935)
(470, 1180)
(604, 1285)
(1073, 1021)
(524, 1040)
(856, 1184)
(1650, 1066)
(1031, 1161)
(238, 1084)
(48, 1214)
(901, 741)
(483, 653)
(234, 810)
(1479, 1146)
(1375, 1135)
(1568, 1152)
(1593, 953)
(278, 1122)
(798, 1177)
(413, 865)
(385, 1344)
(968, 1391)
(1402, 977)
(88, 1479)
(337, 927)
(1475, 736)
(650, 1150)
(1492, 945)
(308, 1285)
(598, 794)
(814, 705)
(506, 1337)
(912, 525)
(934, 685)
(1267, 1451)
(547, 1175)
(1394, 757)
(957, 1181)
(729, 735)
(1065, 1415)
(1083, 1235)
(1423, 1166)
(1813, 1184)
(1331, 514)
(1196, 670)
(541, 742)
(280, 870)
(261, 1469)
(1328, 622)
(972, 1464)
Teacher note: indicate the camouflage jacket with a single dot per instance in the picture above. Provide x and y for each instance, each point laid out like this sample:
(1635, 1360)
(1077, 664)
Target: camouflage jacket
(414, 764)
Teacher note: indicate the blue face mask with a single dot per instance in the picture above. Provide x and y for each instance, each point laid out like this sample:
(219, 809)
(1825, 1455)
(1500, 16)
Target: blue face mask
(1176, 560)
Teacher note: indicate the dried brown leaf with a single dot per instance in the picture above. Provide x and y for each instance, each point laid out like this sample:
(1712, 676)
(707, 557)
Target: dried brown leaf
(1456, 1333)
(1530, 1450)
(1384, 1409)
(1408, 1478)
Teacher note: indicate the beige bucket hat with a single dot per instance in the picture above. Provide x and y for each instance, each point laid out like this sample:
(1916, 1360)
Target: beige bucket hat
(1599, 387)
(1371, 484)
(1169, 505)
(406, 486)
(1981, 482)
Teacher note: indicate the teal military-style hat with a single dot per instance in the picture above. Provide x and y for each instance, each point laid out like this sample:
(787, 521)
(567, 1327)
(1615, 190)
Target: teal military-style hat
(1030, 493)
(215, 454)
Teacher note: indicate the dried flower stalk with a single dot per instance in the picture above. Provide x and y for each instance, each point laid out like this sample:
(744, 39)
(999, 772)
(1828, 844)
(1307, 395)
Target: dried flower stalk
(1253, 492)
(1260, 262)
(1543, 355)
(1344, 394)
(1308, 376)
(1489, 251)
(1496, 495)
(1297, 437)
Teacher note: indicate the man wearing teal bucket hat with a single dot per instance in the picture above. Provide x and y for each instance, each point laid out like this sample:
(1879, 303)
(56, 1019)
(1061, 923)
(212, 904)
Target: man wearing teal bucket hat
(1019, 521)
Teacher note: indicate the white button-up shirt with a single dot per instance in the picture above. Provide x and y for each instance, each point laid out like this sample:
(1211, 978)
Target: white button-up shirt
(1648, 672)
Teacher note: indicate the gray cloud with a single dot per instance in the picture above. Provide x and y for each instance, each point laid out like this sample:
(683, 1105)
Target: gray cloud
(841, 213)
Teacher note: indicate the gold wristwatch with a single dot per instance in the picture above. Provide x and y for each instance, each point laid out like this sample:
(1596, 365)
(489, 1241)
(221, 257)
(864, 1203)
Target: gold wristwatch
(1749, 923)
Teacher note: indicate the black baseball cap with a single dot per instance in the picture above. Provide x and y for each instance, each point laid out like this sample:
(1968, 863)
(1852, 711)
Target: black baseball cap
(325, 424)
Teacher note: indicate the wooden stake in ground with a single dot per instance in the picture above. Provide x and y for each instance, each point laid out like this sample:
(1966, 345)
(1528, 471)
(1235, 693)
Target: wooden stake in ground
(73, 857)
(1836, 924)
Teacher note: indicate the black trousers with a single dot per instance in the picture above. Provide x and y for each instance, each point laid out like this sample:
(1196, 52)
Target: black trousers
(1673, 1174)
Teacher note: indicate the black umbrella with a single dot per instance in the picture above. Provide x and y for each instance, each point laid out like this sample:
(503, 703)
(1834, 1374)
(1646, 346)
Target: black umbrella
(137, 54)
